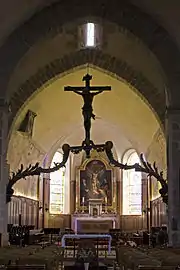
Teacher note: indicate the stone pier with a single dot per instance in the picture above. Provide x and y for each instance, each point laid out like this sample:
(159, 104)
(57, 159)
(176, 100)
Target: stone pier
(173, 166)
(4, 171)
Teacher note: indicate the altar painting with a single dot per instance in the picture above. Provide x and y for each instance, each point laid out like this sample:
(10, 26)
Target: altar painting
(95, 183)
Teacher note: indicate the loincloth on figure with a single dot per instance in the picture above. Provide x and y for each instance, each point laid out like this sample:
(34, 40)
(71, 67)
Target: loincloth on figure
(88, 113)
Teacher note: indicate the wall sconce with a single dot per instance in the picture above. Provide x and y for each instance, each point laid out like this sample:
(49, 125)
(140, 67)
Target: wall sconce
(41, 209)
(46, 208)
(145, 211)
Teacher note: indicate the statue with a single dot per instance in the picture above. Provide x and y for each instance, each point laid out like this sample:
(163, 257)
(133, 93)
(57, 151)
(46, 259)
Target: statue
(87, 110)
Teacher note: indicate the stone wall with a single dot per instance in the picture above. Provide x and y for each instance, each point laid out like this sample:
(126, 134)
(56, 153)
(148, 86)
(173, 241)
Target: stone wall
(157, 152)
(22, 150)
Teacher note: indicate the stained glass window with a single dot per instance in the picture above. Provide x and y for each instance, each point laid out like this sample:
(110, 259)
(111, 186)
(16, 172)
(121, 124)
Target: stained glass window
(132, 186)
(57, 187)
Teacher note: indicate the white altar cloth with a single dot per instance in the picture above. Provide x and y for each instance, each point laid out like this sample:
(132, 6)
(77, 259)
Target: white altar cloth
(86, 236)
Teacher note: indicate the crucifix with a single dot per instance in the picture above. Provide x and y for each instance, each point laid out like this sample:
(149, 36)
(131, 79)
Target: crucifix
(87, 92)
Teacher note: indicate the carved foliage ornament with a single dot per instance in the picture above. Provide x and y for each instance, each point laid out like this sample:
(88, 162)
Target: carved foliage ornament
(144, 167)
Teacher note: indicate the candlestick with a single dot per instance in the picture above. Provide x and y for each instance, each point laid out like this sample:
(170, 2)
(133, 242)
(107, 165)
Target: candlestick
(83, 204)
(106, 204)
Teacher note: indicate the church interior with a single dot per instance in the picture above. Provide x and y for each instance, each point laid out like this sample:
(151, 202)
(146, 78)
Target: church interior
(132, 100)
(51, 200)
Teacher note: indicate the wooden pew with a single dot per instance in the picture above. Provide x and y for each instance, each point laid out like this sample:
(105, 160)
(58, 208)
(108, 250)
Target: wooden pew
(26, 267)
(145, 267)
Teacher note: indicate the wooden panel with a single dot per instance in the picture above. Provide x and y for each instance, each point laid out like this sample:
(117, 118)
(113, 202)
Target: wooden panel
(59, 221)
(159, 215)
(132, 223)
(25, 207)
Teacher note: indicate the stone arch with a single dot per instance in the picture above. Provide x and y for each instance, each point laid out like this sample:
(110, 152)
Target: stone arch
(50, 20)
(137, 80)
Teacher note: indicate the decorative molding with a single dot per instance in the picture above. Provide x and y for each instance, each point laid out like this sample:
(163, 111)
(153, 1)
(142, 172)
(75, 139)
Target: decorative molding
(172, 110)
(24, 198)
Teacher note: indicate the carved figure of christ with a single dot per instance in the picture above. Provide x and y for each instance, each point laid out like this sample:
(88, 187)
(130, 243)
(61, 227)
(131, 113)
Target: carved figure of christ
(87, 92)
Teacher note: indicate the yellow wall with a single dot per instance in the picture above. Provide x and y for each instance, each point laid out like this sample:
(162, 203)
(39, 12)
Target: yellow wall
(22, 150)
(157, 152)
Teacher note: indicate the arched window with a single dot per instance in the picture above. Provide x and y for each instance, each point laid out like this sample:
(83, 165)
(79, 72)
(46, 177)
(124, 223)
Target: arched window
(132, 186)
(90, 35)
(58, 188)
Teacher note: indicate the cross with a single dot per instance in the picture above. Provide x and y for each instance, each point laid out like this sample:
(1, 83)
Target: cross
(87, 78)
(87, 92)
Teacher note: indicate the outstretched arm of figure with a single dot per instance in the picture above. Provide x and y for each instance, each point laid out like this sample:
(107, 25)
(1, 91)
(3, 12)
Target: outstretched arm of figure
(94, 94)
(76, 92)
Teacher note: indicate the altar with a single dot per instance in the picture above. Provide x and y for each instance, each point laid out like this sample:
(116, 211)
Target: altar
(88, 224)
(96, 201)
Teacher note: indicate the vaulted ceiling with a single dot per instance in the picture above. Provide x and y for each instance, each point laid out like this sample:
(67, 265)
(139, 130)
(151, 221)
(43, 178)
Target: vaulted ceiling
(122, 115)
(15, 13)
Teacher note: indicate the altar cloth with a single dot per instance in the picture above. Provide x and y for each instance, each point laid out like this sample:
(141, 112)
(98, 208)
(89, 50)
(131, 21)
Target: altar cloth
(86, 236)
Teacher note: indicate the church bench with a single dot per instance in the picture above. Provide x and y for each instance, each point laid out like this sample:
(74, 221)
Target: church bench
(166, 256)
(71, 265)
(26, 267)
(132, 258)
(73, 244)
(44, 243)
(145, 267)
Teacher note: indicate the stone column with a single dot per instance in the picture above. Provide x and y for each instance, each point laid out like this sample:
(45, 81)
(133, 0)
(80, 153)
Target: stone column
(46, 201)
(4, 171)
(173, 175)
(72, 196)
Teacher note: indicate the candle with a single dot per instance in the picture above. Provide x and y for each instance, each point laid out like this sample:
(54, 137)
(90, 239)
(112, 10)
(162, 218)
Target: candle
(83, 199)
(105, 199)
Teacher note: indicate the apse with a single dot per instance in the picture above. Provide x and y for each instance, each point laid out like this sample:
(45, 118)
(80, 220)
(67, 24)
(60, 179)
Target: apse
(121, 116)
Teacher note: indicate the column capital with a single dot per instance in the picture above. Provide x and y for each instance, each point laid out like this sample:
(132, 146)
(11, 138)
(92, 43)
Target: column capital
(4, 105)
(172, 110)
